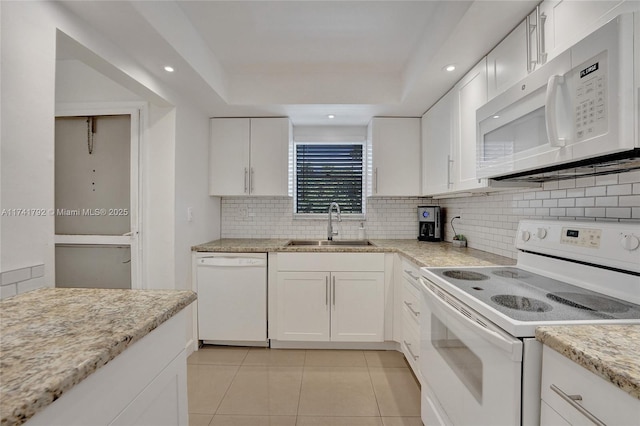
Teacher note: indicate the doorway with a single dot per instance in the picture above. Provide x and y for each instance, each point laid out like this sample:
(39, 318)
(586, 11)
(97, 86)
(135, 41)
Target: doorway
(96, 200)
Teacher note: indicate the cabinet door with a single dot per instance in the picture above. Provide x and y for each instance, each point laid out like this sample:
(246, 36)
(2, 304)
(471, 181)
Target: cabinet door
(357, 306)
(507, 62)
(269, 156)
(472, 94)
(303, 306)
(229, 156)
(438, 133)
(567, 22)
(395, 144)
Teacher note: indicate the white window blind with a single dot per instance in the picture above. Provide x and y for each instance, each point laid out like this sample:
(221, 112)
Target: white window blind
(326, 173)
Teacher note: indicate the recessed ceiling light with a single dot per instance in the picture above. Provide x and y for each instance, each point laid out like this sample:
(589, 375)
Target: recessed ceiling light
(450, 67)
(331, 116)
(168, 69)
(496, 116)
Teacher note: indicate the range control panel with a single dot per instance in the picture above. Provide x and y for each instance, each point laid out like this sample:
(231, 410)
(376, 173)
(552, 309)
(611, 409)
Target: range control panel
(612, 244)
(583, 237)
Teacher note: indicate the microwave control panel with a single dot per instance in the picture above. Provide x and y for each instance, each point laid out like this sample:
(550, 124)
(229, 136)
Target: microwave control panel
(590, 96)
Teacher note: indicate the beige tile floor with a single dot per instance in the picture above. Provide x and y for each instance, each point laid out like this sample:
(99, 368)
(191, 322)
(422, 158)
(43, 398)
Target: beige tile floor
(231, 386)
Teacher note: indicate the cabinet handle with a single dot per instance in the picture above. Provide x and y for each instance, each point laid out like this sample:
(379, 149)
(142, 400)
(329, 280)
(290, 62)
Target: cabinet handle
(411, 274)
(449, 162)
(326, 291)
(375, 180)
(408, 345)
(333, 279)
(571, 399)
(527, 26)
(415, 313)
(542, 54)
(251, 180)
(246, 172)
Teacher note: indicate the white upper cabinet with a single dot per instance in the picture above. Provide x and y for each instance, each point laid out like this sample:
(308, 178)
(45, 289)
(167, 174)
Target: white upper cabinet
(395, 149)
(439, 126)
(449, 132)
(249, 156)
(567, 22)
(472, 94)
(520, 53)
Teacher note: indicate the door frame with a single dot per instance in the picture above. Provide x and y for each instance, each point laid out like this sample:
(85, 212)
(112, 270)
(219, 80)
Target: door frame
(138, 112)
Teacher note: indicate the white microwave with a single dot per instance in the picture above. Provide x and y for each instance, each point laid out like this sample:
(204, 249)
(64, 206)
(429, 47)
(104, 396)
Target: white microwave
(579, 105)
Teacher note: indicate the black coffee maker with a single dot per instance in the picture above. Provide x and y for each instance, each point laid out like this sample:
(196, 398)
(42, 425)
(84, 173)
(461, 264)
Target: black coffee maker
(429, 223)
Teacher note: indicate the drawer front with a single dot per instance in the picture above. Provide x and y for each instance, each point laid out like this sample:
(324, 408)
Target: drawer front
(331, 262)
(606, 402)
(410, 302)
(411, 343)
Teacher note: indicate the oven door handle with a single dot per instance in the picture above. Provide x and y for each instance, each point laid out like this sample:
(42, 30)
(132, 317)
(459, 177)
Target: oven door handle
(506, 343)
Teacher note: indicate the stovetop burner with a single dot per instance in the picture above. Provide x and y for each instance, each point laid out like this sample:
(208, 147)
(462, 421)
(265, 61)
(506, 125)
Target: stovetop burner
(589, 302)
(521, 303)
(465, 275)
(526, 296)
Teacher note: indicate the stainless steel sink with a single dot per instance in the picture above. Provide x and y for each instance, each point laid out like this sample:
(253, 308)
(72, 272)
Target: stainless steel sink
(329, 243)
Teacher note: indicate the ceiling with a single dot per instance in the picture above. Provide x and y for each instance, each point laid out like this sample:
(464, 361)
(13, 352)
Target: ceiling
(305, 59)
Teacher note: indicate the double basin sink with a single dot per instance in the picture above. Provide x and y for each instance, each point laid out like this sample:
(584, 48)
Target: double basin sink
(321, 243)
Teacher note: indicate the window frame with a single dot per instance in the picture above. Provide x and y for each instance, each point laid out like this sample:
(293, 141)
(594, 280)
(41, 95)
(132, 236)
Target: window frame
(293, 182)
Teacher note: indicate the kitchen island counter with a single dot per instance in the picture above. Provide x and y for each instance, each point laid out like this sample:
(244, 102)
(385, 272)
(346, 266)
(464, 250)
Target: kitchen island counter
(609, 351)
(53, 338)
(430, 254)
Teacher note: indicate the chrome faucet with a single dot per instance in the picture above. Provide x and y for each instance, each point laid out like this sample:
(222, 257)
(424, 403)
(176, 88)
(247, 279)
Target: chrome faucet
(330, 231)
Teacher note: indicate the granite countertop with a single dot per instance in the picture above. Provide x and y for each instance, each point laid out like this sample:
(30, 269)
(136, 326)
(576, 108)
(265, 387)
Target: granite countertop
(420, 252)
(53, 338)
(609, 351)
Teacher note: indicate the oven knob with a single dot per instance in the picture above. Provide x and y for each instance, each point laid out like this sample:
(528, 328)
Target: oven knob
(629, 242)
(525, 235)
(541, 233)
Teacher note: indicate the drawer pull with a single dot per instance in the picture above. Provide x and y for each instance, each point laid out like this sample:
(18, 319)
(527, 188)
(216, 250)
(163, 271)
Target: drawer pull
(408, 345)
(415, 313)
(571, 399)
(410, 274)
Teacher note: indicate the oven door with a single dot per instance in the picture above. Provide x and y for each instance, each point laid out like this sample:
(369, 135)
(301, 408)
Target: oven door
(472, 367)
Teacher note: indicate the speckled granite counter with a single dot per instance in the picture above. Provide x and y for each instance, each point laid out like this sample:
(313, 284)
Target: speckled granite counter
(610, 351)
(51, 339)
(420, 252)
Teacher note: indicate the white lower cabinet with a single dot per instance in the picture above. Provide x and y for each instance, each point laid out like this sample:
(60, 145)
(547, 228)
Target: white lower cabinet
(410, 317)
(144, 385)
(331, 305)
(572, 395)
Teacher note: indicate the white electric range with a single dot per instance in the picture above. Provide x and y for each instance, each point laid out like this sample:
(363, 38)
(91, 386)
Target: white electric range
(479, 357)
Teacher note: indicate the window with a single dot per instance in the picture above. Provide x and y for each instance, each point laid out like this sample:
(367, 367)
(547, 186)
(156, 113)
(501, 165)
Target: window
(328, 172)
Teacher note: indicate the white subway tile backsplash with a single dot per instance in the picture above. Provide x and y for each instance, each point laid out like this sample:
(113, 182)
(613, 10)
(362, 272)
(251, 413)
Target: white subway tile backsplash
(594, 212)
(607, 201)
(624, 189)
(585, 202)
(489, 222)
(619, 212)
(8, 291)
(15, 276)
(596, 191)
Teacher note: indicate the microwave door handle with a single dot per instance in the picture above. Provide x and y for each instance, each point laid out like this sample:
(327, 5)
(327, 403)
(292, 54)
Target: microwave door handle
(494, 338)
(550, 116)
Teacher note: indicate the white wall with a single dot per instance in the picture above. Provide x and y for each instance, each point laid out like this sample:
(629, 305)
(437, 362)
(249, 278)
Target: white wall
(174, 146)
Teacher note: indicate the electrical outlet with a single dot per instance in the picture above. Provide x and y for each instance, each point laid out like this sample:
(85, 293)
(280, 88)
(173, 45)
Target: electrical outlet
(189, 214)
(243, 212)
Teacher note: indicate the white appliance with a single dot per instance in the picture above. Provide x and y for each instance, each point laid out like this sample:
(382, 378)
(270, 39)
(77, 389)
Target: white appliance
(232, 298)
(578, 106)
(479, 359)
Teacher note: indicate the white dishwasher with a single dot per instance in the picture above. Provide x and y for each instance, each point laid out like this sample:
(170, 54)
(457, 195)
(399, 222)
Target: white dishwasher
(232, 298)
